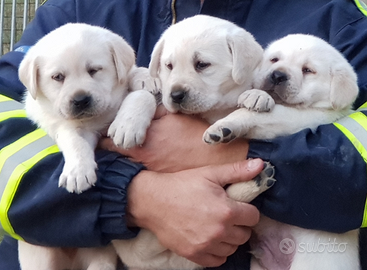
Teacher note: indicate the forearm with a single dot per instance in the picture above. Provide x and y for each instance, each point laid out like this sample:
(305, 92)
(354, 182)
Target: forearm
(32, 205)
(321, 180)
(42, 213)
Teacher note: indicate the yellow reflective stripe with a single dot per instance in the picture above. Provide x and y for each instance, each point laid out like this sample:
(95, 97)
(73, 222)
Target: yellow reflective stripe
(4, 98)
(10, 108)
(363, 107)
(12, 114)
(11, 149)
(32, 156)
(357, 144)
(362, 6)
(12, 186)
(354, 127)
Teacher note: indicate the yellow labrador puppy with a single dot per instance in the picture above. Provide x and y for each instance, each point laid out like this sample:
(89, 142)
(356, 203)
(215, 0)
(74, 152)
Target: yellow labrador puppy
(312, 84)
(77, 78)
(204, 64)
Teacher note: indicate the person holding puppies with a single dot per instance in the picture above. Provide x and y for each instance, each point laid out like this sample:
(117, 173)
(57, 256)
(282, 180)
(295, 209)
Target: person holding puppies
(326, 163)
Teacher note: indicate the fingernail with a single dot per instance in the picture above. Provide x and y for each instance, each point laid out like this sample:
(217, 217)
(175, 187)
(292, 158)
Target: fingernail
(253, 163)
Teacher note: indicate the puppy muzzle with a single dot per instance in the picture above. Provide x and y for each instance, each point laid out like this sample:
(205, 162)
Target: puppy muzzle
(81, 105)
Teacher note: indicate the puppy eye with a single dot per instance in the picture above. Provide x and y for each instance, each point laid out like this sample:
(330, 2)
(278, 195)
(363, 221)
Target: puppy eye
(169, 66)
(201, 65)
(58, 77)
(93, 71)
(274, 60)
(307, 70)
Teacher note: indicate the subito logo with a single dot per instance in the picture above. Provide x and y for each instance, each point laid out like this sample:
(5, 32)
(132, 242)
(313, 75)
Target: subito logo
(287, 246)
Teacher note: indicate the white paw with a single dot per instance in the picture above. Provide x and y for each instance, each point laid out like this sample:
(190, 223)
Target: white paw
(133, 119)
(140, 79)
(128, 132)
(78, 176)
(256, 100)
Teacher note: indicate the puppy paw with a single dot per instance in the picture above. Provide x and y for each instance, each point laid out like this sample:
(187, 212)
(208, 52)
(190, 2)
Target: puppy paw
(78, 177)
(256, 100)
(140, 79)
(133, 119)
(220, 132)
(265, 179)
(127, 133)
(247, 191)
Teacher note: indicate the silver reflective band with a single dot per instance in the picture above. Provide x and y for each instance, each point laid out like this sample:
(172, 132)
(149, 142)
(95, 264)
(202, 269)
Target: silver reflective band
(15, 160)
(10, 105)
(21, 156)
(356, 129)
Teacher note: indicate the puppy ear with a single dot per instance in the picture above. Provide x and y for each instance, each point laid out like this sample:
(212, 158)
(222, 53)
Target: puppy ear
(123, 56)
(28, 73)
(155, 59)
(344, 87)
(246, 53)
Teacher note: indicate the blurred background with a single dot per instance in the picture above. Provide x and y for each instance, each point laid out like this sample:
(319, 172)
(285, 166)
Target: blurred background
(14, 16)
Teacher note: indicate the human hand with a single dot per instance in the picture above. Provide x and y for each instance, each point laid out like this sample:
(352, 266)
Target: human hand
(174, 143)
(190, 212)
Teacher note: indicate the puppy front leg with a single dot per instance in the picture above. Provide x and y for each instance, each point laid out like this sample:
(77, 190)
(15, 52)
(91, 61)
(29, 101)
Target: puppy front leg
(281, 121)
(77, 147)
(235, 125)
(133, 119)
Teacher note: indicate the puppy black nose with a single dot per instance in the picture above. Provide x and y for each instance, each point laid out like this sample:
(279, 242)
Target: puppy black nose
(277, 77)
(82, 101)
(178, 96)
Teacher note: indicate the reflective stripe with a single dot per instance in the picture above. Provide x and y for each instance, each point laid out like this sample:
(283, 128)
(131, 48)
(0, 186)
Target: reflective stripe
(362, 6)
(10, 108)
(10, 105)
(363, 107)
(15, 160)
(18, 158)
(4, 98)
(354, 127)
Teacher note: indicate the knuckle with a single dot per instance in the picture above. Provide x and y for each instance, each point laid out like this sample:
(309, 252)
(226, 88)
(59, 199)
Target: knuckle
(227, 213)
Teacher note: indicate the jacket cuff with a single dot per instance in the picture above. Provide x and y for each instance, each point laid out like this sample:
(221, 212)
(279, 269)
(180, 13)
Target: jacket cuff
(113, 185)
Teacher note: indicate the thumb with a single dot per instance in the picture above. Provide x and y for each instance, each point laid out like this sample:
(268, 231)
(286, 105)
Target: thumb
(234, 172)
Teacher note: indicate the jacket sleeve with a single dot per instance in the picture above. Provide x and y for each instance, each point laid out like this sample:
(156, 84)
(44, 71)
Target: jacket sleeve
(321, 175)
(33, 208)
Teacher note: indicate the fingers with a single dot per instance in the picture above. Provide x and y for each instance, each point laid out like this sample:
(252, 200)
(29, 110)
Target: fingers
(244, 214)
(238, 235)
(108, 144)
(234, 172)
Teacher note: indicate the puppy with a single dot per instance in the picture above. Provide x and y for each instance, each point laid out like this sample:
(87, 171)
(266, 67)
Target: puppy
(204, 64)
(312, 84)
(77, 77)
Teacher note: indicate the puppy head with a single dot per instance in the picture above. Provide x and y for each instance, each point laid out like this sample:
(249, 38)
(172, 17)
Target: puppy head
(307, 71)
(204, 63)
(79, 70)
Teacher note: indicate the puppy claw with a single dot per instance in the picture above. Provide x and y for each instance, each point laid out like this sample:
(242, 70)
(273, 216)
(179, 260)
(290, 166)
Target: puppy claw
(256, 100)
(247, 191)
(78, 177)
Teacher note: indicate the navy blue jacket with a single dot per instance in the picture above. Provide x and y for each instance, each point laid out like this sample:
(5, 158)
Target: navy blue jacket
(322, 181)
